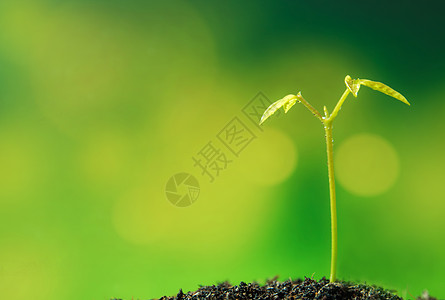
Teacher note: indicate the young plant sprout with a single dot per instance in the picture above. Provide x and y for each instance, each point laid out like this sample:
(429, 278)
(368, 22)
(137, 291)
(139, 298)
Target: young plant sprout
(352, 86)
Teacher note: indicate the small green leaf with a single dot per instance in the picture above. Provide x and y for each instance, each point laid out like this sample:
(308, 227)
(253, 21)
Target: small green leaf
(378, 86)
(287, 102)
(352, 84)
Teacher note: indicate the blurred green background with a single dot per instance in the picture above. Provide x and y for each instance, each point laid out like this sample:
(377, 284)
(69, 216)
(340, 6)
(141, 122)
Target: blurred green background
(101, 102)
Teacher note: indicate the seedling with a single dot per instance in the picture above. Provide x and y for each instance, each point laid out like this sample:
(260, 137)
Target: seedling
(352, 86)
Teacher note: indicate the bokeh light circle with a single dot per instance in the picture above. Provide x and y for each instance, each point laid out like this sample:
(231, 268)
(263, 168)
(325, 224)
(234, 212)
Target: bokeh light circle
(366, 165)
(270, 159)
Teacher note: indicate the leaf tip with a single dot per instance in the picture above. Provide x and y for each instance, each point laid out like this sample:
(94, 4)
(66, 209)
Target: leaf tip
(262, 120)
(404, 100)
(383, 88)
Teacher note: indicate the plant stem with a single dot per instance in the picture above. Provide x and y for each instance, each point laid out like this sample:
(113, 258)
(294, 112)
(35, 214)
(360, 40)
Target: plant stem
(339, 104)
(330, 154)
(327, 123)
(310, 107)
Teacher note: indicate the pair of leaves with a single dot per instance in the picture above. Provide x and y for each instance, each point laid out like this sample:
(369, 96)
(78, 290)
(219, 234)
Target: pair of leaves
(352, 84)
(287, 102)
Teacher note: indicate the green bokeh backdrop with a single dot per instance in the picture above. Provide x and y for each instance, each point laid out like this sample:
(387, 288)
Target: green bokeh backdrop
(102, 101)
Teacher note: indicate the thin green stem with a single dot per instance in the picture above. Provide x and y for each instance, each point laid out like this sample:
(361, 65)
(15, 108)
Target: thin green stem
(310, 107)
(327, 121)
(339, 104)
(330, 154)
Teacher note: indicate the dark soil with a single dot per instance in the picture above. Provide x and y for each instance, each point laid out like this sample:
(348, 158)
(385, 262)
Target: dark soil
(296, 289)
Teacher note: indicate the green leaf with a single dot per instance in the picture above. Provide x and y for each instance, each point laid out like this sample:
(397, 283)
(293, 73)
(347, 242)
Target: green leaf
(378, 86)
(287, 102)
(352, 84)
